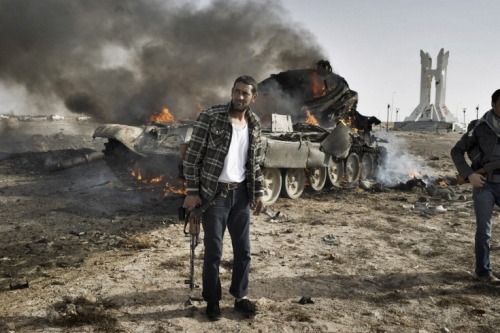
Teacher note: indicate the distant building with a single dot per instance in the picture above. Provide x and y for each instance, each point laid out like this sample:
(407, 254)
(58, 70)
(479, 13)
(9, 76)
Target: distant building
(82, 118)
(38, 118)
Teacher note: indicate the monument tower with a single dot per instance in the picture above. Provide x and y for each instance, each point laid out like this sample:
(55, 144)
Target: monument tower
(437, 111)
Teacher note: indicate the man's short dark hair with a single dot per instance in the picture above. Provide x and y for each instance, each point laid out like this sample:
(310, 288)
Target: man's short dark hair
(495, 96)
(246, 79)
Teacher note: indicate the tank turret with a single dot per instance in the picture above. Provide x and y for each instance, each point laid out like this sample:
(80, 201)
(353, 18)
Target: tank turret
(319, 92)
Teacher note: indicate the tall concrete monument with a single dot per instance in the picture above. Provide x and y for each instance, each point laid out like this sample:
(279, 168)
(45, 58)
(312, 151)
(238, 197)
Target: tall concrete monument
(437, 111)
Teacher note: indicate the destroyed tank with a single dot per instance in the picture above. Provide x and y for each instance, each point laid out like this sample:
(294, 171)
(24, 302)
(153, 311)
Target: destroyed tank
(297, 157)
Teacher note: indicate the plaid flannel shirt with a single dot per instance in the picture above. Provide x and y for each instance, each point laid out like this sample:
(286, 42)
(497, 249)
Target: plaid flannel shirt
(208, 148)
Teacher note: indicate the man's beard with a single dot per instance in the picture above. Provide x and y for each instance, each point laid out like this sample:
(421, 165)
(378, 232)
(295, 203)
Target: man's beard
(239, 108)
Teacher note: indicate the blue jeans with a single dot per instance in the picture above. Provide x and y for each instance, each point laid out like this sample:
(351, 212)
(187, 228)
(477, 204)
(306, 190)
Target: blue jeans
(484, 200)
(232, 212)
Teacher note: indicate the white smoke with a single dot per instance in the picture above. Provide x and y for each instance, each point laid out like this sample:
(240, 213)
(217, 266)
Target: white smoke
(398, 165)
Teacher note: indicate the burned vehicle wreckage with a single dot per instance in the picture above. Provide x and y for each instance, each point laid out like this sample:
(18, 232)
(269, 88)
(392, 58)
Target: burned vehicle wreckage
(330, 144)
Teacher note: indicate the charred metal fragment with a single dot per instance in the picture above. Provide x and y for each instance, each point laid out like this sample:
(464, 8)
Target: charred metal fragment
(17, 286)
(72, 162)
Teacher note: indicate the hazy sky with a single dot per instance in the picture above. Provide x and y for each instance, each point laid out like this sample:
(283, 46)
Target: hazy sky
(376, 46)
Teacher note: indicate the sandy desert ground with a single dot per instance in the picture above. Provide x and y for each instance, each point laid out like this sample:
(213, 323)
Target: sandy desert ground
(84, 250)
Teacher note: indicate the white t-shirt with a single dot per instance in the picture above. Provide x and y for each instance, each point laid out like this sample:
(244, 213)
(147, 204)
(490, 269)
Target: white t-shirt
(236, 158)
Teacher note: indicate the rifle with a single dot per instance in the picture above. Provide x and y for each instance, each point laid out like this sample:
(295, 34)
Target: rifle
(487, 168)
(193, 221)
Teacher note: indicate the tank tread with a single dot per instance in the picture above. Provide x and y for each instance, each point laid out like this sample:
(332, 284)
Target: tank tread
(365, 149)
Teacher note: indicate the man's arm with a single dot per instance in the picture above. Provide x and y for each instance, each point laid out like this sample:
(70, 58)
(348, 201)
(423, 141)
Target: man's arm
(458, 155)
(193, 160)
(259, 177)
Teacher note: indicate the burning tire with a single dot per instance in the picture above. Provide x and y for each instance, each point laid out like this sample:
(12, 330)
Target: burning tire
(272, 185)
(294, 181)
(317, 178)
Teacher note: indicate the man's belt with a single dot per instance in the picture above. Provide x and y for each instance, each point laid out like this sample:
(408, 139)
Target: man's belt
(222, 189)
(493, 177)
(229, 186)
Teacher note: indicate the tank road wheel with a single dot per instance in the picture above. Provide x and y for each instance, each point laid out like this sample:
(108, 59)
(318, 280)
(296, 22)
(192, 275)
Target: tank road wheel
(333, 172)
(352, 168)
(367, 166)
(272, 185)
(294, 181)
(317, 178)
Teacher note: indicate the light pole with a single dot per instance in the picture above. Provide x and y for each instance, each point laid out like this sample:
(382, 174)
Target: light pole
(477, 111)
(397, 110)
(465, 124)
(392, 103)
(387, 123)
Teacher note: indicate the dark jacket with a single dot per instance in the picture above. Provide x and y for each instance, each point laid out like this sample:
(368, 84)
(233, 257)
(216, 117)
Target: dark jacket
(208, 148)
(478, 143)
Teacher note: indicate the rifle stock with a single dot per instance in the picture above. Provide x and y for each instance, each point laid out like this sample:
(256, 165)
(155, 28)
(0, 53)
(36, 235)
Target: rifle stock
(491, 166)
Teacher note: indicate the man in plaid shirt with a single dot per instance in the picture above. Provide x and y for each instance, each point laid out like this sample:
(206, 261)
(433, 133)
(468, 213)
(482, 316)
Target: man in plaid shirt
(222, 164)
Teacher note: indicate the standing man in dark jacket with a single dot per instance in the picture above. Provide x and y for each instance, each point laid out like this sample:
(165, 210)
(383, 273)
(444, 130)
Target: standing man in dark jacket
(482, 145)
(222, 165)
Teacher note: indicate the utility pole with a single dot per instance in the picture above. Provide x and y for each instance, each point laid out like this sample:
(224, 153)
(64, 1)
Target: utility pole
(387, 123)
(392, 104)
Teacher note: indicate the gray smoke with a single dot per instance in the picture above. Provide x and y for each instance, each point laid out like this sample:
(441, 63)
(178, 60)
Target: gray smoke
(124, 60)
(398, 165)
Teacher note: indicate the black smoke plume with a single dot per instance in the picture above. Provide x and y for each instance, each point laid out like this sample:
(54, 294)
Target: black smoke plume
(124, 60)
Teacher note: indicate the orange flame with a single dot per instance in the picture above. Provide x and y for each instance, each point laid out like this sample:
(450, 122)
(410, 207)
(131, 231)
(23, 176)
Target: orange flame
(156, 180)
(172, 189)
(136, 174)
(164, 117)
(414, 174)
(156, 184)
(310, 118)
(317, 86)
